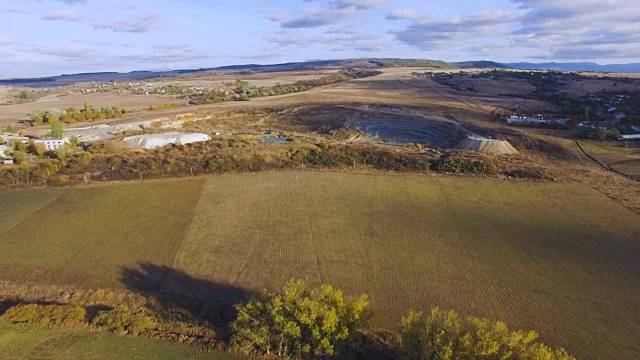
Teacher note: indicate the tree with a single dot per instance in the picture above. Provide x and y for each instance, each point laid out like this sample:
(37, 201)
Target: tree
(56, 130)
(443, 336)
(297, 322)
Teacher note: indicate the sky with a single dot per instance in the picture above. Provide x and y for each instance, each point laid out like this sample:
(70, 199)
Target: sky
(50, 37)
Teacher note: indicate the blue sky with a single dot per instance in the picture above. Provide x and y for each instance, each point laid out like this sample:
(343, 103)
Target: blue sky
(46, 37)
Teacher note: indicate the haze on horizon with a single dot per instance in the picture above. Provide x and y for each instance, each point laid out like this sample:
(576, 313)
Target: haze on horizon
(46, 37)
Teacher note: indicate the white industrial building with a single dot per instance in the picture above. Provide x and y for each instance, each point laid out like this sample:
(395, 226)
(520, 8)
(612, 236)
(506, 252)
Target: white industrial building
(5, 159)
(154, 141)
(51, 144)
(534, 120)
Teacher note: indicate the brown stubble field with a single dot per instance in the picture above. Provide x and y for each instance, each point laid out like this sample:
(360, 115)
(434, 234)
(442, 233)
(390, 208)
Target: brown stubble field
(559, 258)
(266, 79)
(562, 259)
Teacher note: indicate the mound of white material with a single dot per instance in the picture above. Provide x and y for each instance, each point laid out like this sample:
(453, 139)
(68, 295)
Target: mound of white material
(487, 146)
(154, 141)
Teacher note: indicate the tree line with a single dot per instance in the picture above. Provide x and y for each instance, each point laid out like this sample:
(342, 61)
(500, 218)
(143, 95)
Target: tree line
(72, 115)
(244, 91)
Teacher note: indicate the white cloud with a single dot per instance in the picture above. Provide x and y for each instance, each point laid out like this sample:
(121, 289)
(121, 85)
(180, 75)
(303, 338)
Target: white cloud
(435, 34)
(69, 2)
(119, 5)
(317, 17)
(65, 16)
(562, 30)
(359, 4)
(4, 40)
(331, 12)
(403, 15)
(133, 24)
(335, 39)
(138, 23)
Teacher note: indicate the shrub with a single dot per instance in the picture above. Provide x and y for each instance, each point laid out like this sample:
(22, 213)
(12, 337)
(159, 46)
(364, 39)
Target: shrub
(45, 314)
(455, 165)
(62, 180)
(119, 321)
(297, 322)
(442, 335)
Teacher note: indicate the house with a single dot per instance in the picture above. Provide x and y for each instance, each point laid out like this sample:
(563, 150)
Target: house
(52, 144)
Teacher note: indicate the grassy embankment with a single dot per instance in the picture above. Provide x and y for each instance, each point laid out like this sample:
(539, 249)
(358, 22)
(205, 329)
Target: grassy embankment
(19, 344)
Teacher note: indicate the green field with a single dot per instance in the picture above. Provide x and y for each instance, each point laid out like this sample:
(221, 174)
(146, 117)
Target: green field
(559, 258)
(47, 344)
(86, 236)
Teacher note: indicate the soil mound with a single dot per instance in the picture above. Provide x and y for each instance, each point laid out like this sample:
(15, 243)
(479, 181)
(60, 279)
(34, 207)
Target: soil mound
(487, 146)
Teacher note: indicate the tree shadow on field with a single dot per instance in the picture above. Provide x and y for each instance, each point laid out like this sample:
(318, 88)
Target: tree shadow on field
(183, 297)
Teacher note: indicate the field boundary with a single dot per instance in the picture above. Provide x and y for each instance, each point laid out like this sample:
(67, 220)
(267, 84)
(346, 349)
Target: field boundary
(603, 165)
(188, 228)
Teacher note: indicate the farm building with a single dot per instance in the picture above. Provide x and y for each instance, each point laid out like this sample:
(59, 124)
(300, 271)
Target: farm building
(631, 137)
(534, 120)
(154, 141)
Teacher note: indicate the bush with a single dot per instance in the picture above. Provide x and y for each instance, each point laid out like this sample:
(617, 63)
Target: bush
(596, 133)
(455, 165)
(45, 314)
(442, 335)
(297, 322)
(62, 180)
(119, 321)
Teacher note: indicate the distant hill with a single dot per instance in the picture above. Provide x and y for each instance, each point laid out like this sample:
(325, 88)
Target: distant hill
(482, 64)
(68, 79)
(393, 63)
(633, 68)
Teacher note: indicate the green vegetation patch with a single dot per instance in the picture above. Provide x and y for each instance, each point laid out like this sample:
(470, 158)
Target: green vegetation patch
(88, 235)
(23, 344)
(535, 255)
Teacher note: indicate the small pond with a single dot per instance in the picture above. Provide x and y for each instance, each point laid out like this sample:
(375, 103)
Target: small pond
(274, 139)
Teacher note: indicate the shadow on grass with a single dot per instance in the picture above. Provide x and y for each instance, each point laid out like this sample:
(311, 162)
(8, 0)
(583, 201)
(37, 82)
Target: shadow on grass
(183, 297)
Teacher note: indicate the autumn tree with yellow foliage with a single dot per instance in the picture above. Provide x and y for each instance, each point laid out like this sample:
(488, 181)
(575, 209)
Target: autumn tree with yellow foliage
(444, 336)
(297, 322)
